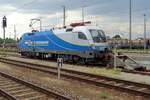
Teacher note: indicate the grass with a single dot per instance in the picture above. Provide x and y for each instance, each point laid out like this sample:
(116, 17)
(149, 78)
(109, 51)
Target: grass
(104, 95)
(116, 71)
(4, 54)
(8, 50)
(94, 70)
(105, 71)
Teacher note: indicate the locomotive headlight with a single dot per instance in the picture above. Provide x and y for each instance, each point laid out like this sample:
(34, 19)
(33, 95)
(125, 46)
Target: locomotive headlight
(93, 46)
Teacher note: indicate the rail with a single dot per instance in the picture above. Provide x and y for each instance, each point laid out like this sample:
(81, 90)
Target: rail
(98, 80)
(19, 83)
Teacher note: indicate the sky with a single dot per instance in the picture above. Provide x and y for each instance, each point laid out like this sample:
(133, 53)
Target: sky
(110, 15)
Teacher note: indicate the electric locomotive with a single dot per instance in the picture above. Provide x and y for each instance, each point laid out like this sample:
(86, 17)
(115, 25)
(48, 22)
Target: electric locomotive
(79, 42)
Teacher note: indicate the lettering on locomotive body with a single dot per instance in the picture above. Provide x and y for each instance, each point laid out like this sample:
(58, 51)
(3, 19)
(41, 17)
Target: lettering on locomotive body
(41, 43)
(36, 43)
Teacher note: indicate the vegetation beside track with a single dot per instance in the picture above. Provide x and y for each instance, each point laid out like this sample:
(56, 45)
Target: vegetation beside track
(8, 50)
(90, 78)
(97, 70)
(105, 95)
(104, 71)
(84, 91)
(2, 53)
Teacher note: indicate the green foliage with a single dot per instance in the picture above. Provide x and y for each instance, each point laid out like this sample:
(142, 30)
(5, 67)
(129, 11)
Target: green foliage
(116, 71)
(104, 95)
(117, 37)
(7, 40)
(1, 40)
(10, 40)
(104, 71)
(3, 50)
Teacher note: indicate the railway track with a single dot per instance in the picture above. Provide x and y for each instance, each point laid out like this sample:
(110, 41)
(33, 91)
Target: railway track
(12, 88)
(147, 73)
(137, 72)
(98, 80)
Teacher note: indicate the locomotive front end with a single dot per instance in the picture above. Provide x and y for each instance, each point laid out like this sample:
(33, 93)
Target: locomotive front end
(102, 51)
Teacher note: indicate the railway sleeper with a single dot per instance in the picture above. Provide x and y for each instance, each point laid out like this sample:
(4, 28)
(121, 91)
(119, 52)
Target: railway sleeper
(20, 91)
(15, 88)
(9, 86)
(27, 95)
(39, 97)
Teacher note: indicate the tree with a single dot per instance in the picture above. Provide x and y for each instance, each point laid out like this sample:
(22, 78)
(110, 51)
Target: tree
(10, 40)
(7, 40)
(117, 37)
(1, 40)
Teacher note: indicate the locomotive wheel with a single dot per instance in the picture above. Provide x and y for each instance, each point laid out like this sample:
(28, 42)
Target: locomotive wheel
(23, 54)
(75, 59)
(82, 61)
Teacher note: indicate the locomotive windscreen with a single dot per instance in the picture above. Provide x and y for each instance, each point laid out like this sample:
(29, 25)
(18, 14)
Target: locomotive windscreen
(98, 35)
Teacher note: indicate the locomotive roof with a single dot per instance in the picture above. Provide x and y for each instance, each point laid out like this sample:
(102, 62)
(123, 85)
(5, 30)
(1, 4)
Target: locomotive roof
(77, 28)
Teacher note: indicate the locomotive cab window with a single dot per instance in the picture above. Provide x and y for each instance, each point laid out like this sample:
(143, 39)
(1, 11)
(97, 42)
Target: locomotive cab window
(81, 36)
(98, 35)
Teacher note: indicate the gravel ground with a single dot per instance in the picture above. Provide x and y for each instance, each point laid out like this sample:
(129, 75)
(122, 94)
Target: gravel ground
(74, 89)
(94, 70)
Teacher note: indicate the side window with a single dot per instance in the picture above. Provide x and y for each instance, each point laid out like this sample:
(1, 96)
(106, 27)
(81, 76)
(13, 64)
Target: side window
(81, 36)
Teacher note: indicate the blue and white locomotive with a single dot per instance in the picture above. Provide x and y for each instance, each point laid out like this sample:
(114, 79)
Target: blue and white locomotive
(78, 42)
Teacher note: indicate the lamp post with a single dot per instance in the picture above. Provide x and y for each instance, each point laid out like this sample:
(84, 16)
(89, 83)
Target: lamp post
(15, 32)
(82, 13)
(144, 31)
(130, 23)
(64, 15)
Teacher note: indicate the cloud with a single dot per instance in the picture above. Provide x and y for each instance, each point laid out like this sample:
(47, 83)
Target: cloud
(111, 15)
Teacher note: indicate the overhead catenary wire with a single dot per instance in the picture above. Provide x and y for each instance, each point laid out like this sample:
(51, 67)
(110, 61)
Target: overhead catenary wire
(114, 12)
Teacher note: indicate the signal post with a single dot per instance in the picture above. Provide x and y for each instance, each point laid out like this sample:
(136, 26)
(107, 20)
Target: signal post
(4, 25)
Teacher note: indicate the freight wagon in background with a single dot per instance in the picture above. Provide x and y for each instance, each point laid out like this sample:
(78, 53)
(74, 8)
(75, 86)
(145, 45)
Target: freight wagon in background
(124, 43)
